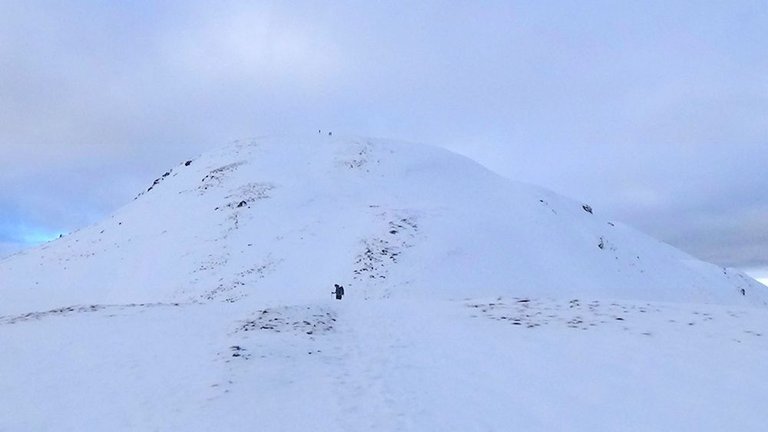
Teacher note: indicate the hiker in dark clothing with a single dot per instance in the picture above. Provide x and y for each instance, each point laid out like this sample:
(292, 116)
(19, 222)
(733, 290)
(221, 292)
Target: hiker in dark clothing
(339, 291)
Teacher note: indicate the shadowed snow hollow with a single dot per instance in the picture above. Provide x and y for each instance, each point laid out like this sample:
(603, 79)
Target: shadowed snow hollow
(275, 219)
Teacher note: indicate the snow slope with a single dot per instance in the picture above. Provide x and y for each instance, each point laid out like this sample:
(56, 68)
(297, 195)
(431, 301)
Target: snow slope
(286, 218)
(473, 303)
(388, 365)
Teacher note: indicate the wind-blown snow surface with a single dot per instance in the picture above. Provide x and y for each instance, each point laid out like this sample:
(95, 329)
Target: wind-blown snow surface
(473, 303)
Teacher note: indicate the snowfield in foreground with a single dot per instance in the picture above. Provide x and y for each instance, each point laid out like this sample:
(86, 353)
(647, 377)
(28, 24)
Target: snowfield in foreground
(473, 304)
(389, 365)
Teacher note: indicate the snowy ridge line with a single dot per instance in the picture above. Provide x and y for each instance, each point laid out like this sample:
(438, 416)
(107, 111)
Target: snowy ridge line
(67, 310)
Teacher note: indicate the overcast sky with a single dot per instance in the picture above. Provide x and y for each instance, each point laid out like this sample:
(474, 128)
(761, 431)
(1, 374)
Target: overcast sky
(655, 112)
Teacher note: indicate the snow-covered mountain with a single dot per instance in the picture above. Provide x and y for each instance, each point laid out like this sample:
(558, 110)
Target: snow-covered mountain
(285, 219)
(205, 304)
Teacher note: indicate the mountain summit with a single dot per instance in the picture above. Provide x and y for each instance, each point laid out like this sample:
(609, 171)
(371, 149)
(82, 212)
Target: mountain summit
(277, 219)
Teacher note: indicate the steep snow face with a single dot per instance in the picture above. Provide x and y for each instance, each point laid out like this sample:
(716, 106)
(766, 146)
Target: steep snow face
(279, 219)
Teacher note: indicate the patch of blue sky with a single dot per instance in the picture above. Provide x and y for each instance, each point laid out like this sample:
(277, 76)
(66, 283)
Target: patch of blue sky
(27, 235)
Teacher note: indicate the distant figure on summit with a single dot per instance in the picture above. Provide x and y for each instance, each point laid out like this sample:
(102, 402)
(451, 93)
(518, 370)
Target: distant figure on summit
(339, 291)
